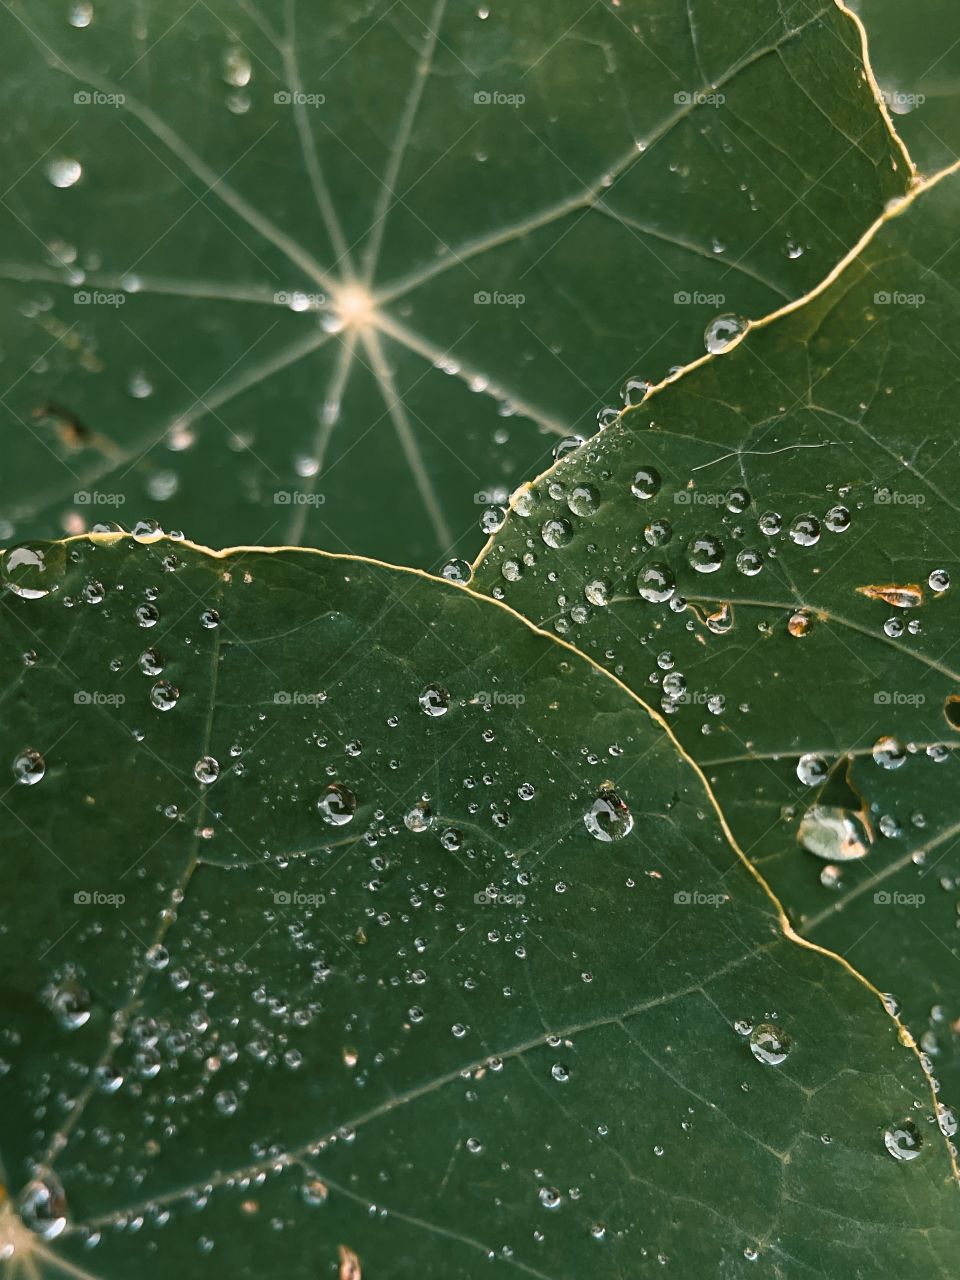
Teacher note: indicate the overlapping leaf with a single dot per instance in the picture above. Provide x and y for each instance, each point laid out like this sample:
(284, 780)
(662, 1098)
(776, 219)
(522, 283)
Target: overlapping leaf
(339, 274)
(768, 549)
(332, 965)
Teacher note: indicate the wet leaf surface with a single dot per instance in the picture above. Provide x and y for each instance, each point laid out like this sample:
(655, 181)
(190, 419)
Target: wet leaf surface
(392, 936)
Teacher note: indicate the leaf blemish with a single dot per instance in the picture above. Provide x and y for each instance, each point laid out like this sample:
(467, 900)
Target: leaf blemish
(908, 596)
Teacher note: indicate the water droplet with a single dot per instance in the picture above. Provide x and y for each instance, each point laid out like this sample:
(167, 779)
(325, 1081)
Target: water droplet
(737, 501)
(889, 753)
(337, 805)
(147, 531)
(64, 172)
(800, 624)
(206, 770)
(70, 1004)
(657, 533)
(837, 520)
(210, 619)
(811, 769)
(608, 818)
(769, 1044)
(770, 523)
(150, 662)
(456, 571)
(550, 1197)
(43, 1206)
(419, 817)
(705, 553)
(29, 767)
(903, 1141)
(434, 700)
(646, 483)
(560, 1072)
(32, 572)
(656, 583)
(157, 957)
(722, 331)
(491, 520)
(525, 502)
(511, 570)
(583, 500)
(225, 1102)
(557, 532)
(834, 834)
(634, 390)
(749, 562)
(939, 580)
(164, 695)
(598, 592)
(947, 1120)
(805, 531)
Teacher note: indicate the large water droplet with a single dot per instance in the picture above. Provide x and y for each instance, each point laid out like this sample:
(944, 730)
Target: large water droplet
(722, 331)
(43, 1206)
(29, 767)
(608, 818)
(769, 1044)
(33, 571)
(434, 700)
(903, 1140)
(656, 583)
(64, 171)
(337, 805)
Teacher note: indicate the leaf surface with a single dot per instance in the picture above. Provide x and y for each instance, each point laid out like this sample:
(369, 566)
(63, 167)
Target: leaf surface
(242, 1039)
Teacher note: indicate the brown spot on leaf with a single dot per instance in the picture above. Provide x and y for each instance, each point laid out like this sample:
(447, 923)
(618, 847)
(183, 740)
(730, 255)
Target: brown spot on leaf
(907, 596)
(349, 1264)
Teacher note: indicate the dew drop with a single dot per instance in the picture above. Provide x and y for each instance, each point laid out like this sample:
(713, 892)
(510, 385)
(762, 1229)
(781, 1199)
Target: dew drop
(434, 700)
(722, 331)
(769, 1044)
(29, 767)
(656, 583)
(337, 805)
(903, 1141)
(608, 818)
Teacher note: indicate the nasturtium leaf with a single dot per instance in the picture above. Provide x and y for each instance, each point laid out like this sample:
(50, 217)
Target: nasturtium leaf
(346, 273)
(354, 920)
(777, 533)
(916, 58)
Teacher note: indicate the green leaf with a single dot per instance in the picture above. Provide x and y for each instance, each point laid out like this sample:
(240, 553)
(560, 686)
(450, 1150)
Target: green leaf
(916, 58)
(234, 1026)
(812, 673)
(155, 366)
